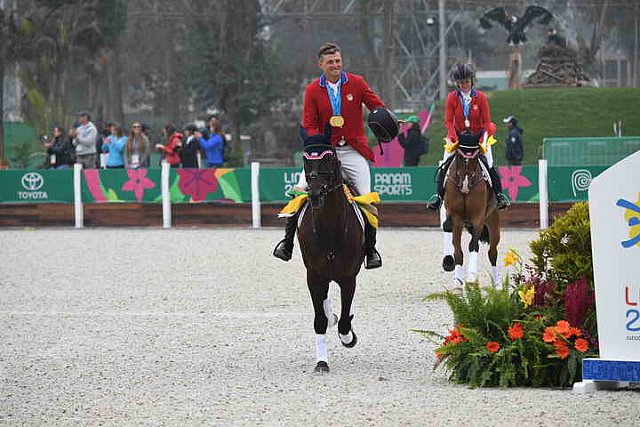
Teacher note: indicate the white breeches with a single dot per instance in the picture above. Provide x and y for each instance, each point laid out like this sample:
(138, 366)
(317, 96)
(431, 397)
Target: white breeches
(488, 155)
(355, 169)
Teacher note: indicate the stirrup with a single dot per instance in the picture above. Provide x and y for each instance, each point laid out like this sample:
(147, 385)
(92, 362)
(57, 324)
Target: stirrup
(283, 250)
(435, 203)
(373, 260)
(503, 201)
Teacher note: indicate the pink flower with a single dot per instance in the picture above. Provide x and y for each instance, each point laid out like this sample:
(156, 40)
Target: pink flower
(512, 180)
(197, 183)
(138, 183)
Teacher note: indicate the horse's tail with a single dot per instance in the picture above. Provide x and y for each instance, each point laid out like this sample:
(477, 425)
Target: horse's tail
(484, 236)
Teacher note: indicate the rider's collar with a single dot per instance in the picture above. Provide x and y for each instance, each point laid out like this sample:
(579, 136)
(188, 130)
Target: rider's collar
(472, 92)
(343, 79)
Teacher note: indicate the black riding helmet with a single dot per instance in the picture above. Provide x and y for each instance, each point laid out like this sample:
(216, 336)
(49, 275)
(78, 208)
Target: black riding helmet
(384, 124)
(461, 72)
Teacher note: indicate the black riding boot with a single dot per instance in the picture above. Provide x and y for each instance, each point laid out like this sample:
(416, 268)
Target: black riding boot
(373, 258)
(284, 248)
(436, 201)
(503, 201)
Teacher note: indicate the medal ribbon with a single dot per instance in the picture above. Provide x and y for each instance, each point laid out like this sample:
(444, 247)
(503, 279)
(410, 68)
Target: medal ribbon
(335, 98)
(466, 105)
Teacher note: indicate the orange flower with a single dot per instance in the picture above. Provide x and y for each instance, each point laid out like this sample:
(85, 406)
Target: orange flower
(516, 332)
(549, 334)
(561, 350)
(563, 328)
(439, 355)
(575, 331)
(493, 346)
(582, 345)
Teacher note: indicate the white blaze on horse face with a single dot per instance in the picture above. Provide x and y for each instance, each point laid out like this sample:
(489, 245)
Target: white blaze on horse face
(465, 185)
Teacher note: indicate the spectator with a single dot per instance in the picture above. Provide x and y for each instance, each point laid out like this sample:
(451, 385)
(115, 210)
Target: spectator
(215, 128)
(513, 150)
(138, 147)
(115, 145)
(60, 149)
(190, 148)
(415, 144)
(85, 137)
(103, 133)
(213, 147)
(172, 147)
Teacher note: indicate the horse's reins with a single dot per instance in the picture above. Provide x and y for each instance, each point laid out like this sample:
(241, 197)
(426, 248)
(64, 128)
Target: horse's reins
(324, 192)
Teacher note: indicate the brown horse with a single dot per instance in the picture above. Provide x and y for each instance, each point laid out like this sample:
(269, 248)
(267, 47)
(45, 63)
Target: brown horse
(470, 202)
(332, 244)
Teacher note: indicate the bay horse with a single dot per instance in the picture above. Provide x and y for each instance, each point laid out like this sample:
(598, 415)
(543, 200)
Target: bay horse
(470, 203)
(331, 241)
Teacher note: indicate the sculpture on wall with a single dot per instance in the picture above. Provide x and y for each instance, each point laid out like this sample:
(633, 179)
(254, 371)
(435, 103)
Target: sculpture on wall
(516, 28)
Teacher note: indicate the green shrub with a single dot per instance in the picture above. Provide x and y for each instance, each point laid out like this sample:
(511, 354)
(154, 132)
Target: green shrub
(562, 253)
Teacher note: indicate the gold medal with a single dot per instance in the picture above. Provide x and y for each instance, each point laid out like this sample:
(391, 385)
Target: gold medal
(336, 121)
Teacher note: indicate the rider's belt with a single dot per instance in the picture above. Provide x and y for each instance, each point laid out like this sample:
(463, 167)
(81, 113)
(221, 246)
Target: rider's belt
(342, 142)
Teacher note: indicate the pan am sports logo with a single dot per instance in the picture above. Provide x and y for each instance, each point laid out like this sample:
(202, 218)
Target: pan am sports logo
(632, 217)
(32, 182)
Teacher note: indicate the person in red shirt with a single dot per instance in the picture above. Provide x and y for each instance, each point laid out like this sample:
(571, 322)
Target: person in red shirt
(172, 147)
(466, 110)
(335, 99)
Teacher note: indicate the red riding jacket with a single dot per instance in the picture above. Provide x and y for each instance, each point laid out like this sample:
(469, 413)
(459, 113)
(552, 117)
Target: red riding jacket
(479, 114)
(317, 111)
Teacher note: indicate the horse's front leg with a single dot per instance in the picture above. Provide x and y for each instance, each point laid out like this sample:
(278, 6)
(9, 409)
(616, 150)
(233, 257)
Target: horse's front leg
(458, 256)
(319, 288)
(474, 247)
(347, 290)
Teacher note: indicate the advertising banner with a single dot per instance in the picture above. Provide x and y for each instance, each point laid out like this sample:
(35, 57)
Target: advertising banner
(186, 185)
(614, 210)
(571, 183)
(36, 186)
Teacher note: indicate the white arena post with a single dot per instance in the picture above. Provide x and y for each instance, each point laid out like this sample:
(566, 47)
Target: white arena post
(543, 189)
(166, 197)
(78, 208)
(255, 195)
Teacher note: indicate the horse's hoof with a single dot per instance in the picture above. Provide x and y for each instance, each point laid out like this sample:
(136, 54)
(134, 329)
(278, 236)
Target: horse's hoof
(321, 367)
(448, 263)
(353, 342)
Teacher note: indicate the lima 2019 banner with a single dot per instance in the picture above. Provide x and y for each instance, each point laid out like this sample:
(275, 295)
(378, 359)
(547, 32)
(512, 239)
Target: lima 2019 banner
(614, 211)
(234, 185)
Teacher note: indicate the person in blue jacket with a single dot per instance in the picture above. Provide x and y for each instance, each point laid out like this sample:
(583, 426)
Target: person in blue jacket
(115, 146)
(213, 145)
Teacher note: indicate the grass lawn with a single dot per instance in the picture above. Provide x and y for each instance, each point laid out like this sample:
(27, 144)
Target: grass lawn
(544, 113)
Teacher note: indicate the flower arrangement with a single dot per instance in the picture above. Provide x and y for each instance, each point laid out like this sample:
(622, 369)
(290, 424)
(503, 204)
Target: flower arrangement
(534, 330)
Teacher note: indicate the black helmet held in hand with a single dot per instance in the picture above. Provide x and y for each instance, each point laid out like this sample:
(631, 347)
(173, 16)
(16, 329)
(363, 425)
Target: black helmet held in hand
(384, 124)
(461, 72)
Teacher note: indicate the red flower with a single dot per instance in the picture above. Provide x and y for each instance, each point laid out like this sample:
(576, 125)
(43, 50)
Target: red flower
(138, 182)
(549, 334)
(197, 183)
(578, 300)
(516, 332)
(582, 345)
(454, 338)
(563, 328)
(493, 346)
(562, 350)
(575, 331)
